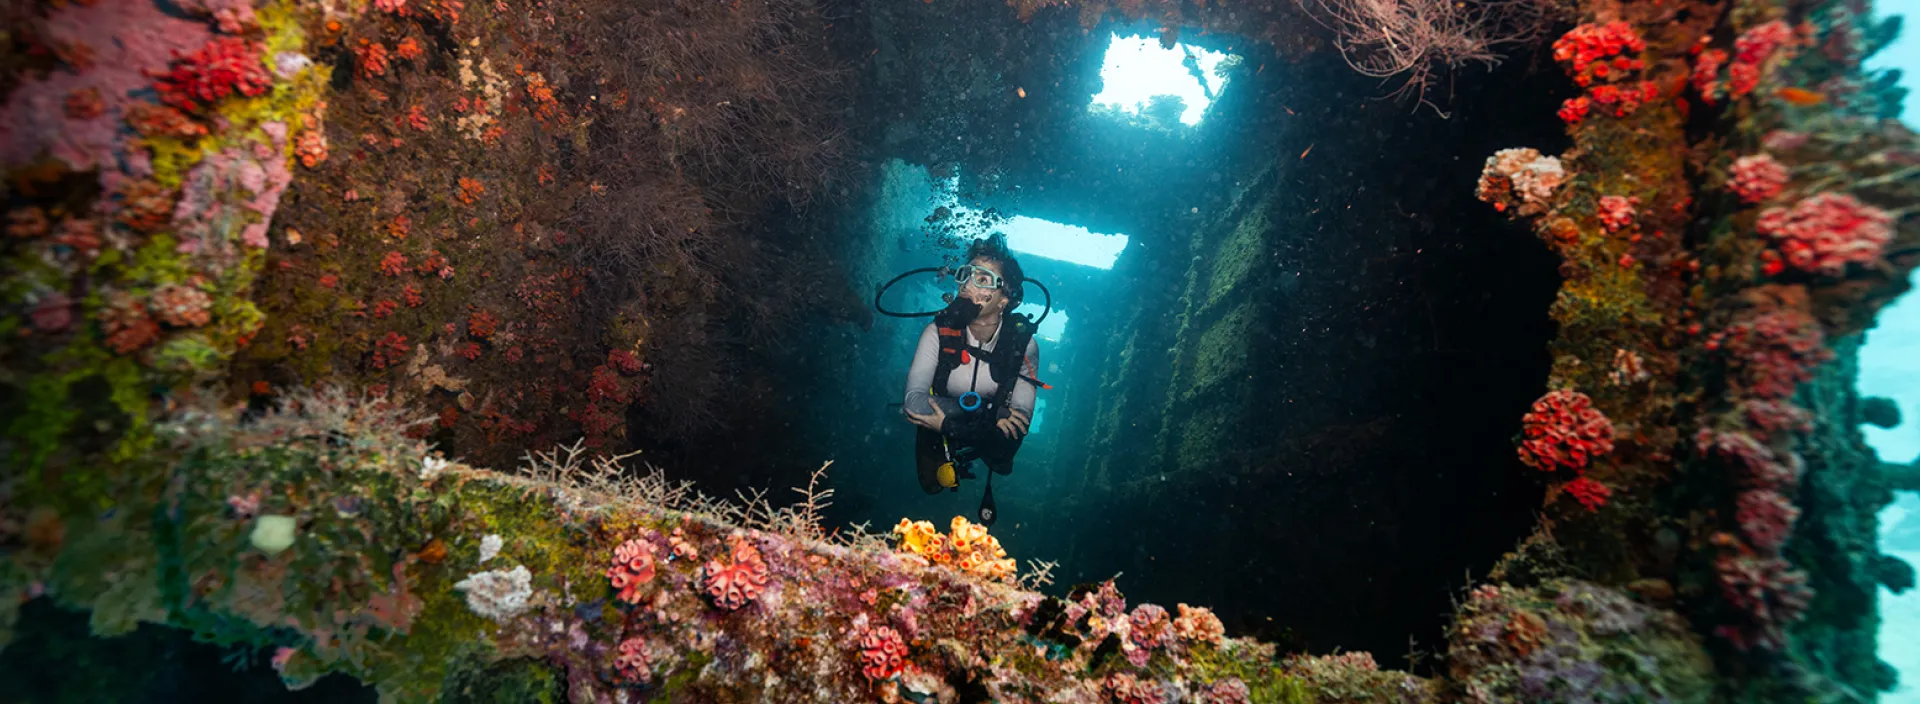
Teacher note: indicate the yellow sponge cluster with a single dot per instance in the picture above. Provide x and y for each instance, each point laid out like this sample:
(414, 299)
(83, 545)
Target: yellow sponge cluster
(966, 547)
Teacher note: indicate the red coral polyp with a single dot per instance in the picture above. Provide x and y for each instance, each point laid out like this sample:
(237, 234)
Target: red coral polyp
(1589, 493)
(1706, 74)
(1757, 178)
(1773, 353)
(1587, 49)
(481, 325)
(221, 68)
(1564, 430)
(634, 663)
(1823, 233)
(626, 361)
(1767, 591)
(883, 653)
(1766, 517)
(1573, 110)
(393, 264)
(1149, 628)
(127, 325)
(734, 585)
(182, 306)
(632, 568)
(1616, 212)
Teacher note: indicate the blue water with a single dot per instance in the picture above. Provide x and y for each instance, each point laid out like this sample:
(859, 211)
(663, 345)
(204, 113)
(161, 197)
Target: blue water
(1890, 367)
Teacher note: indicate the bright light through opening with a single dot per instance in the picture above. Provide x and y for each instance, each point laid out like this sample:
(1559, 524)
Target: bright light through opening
(1053, 240)
(1138, 68)
(1066, 243)
(1053, 327)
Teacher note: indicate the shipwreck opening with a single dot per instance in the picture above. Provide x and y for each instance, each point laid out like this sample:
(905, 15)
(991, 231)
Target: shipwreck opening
(1289, 364)
(1288, 348)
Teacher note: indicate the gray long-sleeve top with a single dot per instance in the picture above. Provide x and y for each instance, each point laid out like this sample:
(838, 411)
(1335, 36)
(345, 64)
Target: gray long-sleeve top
(972, 376)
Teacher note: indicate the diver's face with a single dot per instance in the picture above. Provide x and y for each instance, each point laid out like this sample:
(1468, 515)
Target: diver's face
(991, 300)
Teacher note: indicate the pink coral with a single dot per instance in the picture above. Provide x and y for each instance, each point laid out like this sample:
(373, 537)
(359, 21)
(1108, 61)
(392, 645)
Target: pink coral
(1758, 44)
(52, 313)
(370, 59)
(1825, 232)
(634, 663)
(1758, 465)
(311, 148)
(1757, 177)
(1766, 518)
(1227, 691)
(1752, 50)
(1564, 430)
(1586, 50)
(155, 120)
(1521, 179)
(1616, 212)
(1774, 416)
(732, 586)
(182, 306)
(145, 206)
(604, 384)
(1706, 74)
(127, 325)
(1742, 78)
(124, 42)
(1125, 688)
(1768, 591)
(632, 568)
(883, 653)
(1198, 624)
(1573, 110)
(1591, 494)
(1625, 100)
(682, 550)
(222, 67)
(1149, 629)
(393, 264)
(1773, 353)
(626, 362)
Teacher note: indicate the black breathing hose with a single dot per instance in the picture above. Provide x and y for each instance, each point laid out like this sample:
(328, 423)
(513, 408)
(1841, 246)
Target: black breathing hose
(936, 269)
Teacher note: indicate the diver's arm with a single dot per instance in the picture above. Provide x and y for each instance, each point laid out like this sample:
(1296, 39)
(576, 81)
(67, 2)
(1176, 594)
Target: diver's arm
(920, 375)
(1023, 390)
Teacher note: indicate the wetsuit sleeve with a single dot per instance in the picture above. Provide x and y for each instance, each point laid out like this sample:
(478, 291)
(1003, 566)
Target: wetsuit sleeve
(920, 375)
(1023, 390)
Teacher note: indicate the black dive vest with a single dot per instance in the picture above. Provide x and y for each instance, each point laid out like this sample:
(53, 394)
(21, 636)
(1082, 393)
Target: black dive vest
(1003, 363)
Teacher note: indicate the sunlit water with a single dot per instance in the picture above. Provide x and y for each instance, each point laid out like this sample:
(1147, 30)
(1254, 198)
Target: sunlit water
(1890, 367)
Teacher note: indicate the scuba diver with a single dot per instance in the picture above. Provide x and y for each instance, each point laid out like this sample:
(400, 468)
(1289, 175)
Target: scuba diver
(971, 388)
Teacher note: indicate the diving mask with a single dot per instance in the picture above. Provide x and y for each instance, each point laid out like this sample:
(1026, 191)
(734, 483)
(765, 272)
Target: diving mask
(977, 277)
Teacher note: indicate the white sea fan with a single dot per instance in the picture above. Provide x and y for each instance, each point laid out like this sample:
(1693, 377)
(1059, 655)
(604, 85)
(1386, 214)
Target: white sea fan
(489, 547)
(431, 467)
(498, 594)
(288, 64)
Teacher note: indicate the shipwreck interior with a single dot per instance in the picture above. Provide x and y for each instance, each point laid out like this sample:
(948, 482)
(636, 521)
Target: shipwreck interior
(1310, 348)
(1288, 349)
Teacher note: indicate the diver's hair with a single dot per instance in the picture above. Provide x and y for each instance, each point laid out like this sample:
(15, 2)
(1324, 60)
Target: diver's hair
(993, 248)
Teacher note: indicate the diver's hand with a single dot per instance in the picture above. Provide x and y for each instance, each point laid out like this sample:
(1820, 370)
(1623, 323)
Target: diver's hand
(931, 421)
(1014, 426)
